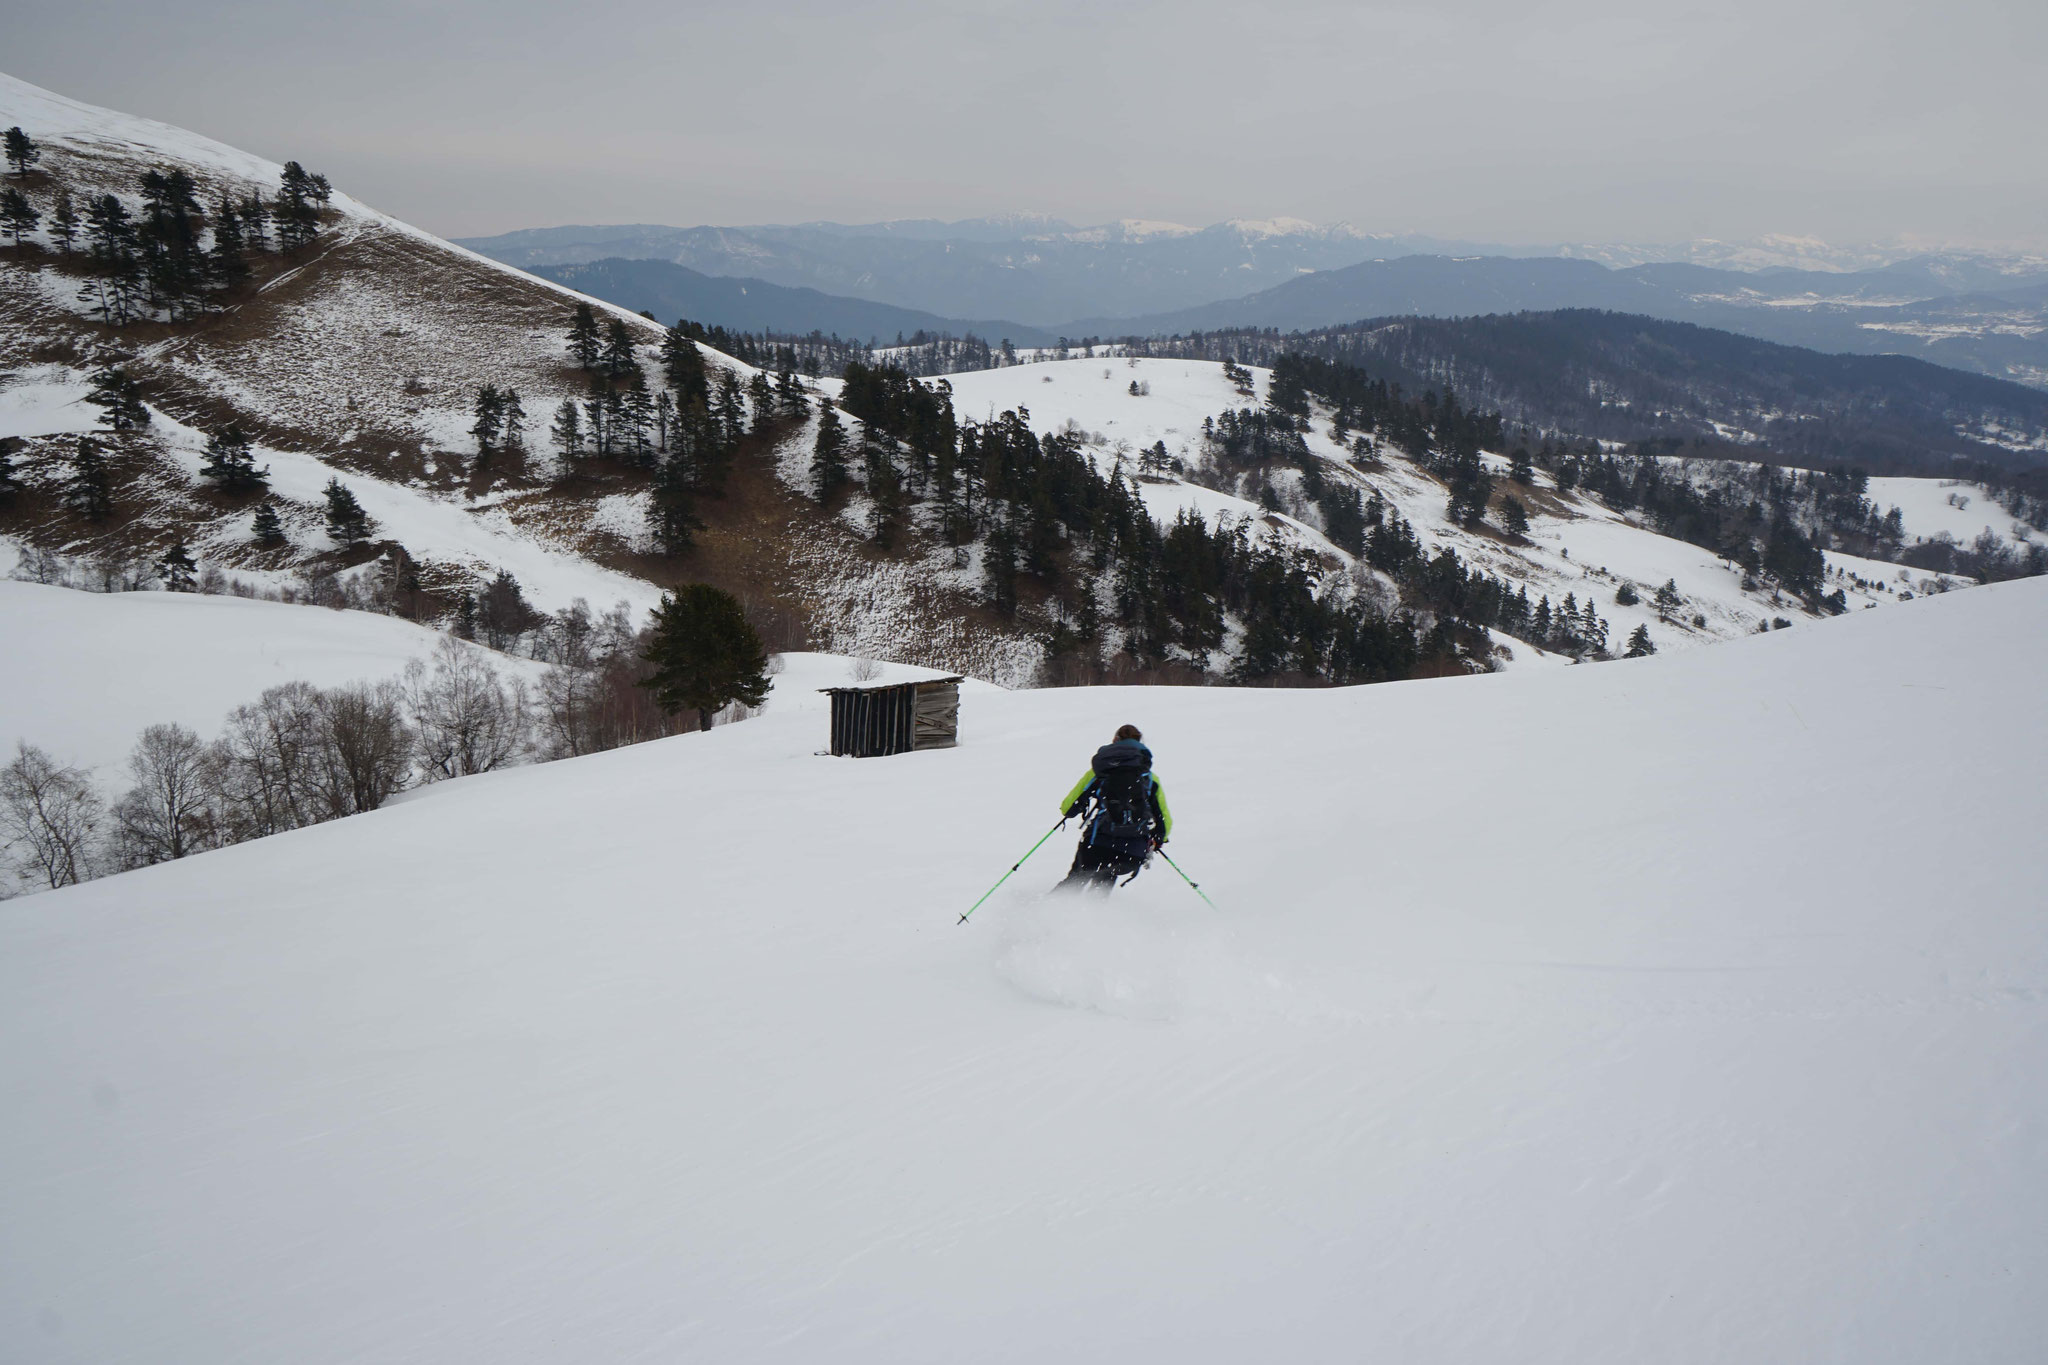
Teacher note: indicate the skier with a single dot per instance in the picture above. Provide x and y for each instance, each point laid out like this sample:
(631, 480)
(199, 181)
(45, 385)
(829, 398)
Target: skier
(1127, 815)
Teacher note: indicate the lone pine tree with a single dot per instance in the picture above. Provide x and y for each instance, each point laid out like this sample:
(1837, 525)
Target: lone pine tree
(231, 465)
(18, 217)
(267, 528)
(177, 568)
(22, 151)
(347, 523)
(89, 490)
(119, 399)
(705, 654)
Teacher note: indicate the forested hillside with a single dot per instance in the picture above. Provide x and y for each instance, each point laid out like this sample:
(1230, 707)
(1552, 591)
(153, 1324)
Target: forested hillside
(1633, 379)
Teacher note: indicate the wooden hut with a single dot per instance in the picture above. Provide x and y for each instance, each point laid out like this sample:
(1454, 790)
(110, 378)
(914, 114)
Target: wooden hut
(868, 722)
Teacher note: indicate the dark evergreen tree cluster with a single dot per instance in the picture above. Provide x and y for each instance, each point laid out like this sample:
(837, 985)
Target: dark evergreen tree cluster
(686, 433)
(160, 252)
(500, 422)
(1053, 528)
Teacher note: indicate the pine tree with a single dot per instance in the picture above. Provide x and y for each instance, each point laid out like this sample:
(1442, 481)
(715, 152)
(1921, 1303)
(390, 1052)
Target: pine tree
(790, 396)
(64, 222)
(116, 250)
(828, 456)
(1514, 517)
(18, 216)
(89, 491)
(347, 524)
(884, 488)
(267, 529)
(298, 221)
(664, 420)
(9, 484)
(619, 359)
(584, 346)
(1667, 600)
(1639, 644)
(705, 654)
(119, 399)
(635, 422)
(172, 262)
(22, 151)
(1626, 595)
(465, 617)
(672, 511)
(729, 411)
(231, 463)
(1519, 467)
(512, 415)
(254, 213)
(682, 364)
(761, 398)
(227, 262)
(999, 568)
(567, 431)
(177, 568)
(490, 416)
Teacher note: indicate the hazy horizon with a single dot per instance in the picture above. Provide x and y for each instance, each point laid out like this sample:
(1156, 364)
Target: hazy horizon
(1588, 122)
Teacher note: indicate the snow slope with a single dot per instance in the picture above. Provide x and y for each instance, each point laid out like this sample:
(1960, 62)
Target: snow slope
(1713, 1034)
(1928, 510)
(84, 672)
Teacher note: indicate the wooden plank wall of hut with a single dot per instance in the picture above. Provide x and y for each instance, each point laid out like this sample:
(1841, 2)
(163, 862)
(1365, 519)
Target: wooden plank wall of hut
(938, 716)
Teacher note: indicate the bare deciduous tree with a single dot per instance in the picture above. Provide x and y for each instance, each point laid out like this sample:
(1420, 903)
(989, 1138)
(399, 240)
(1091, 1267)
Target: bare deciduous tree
(173, 809)
(466, 718)
(49, 813)
(367, 748)
(270, 768)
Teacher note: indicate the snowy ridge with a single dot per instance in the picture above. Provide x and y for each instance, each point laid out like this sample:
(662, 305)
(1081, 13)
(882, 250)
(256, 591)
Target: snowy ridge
(596, 1061)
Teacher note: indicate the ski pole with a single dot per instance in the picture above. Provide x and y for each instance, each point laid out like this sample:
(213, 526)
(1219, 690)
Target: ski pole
(1014, 866)
(1186, 878)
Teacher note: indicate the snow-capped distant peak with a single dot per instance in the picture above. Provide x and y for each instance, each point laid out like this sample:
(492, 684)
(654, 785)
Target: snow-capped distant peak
(1276, 227)
(1151, 227)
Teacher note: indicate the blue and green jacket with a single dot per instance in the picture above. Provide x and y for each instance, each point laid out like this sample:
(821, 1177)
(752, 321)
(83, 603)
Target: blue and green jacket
(1108, 758)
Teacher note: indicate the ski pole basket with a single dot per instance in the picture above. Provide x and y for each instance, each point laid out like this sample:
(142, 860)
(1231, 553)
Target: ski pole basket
(869, 722)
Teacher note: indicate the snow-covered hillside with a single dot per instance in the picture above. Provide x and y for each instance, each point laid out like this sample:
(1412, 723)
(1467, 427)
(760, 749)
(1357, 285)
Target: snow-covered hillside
(84, 672)
(1725, 1049)
(361, 357)
(1575, 544)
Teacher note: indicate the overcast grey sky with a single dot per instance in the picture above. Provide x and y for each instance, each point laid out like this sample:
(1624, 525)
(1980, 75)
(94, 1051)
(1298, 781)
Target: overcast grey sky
(1535, 120)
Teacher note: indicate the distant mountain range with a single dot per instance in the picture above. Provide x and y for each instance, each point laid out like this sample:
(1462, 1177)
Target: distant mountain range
(1971, 311)
(671, 291)
(1041, 273)
(1956, 312)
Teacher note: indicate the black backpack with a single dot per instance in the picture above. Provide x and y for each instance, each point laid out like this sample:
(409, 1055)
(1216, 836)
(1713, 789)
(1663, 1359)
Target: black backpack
(1123, 792)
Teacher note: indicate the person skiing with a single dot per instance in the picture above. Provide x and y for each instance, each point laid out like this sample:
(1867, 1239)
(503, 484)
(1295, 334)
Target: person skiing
(1125, 809)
